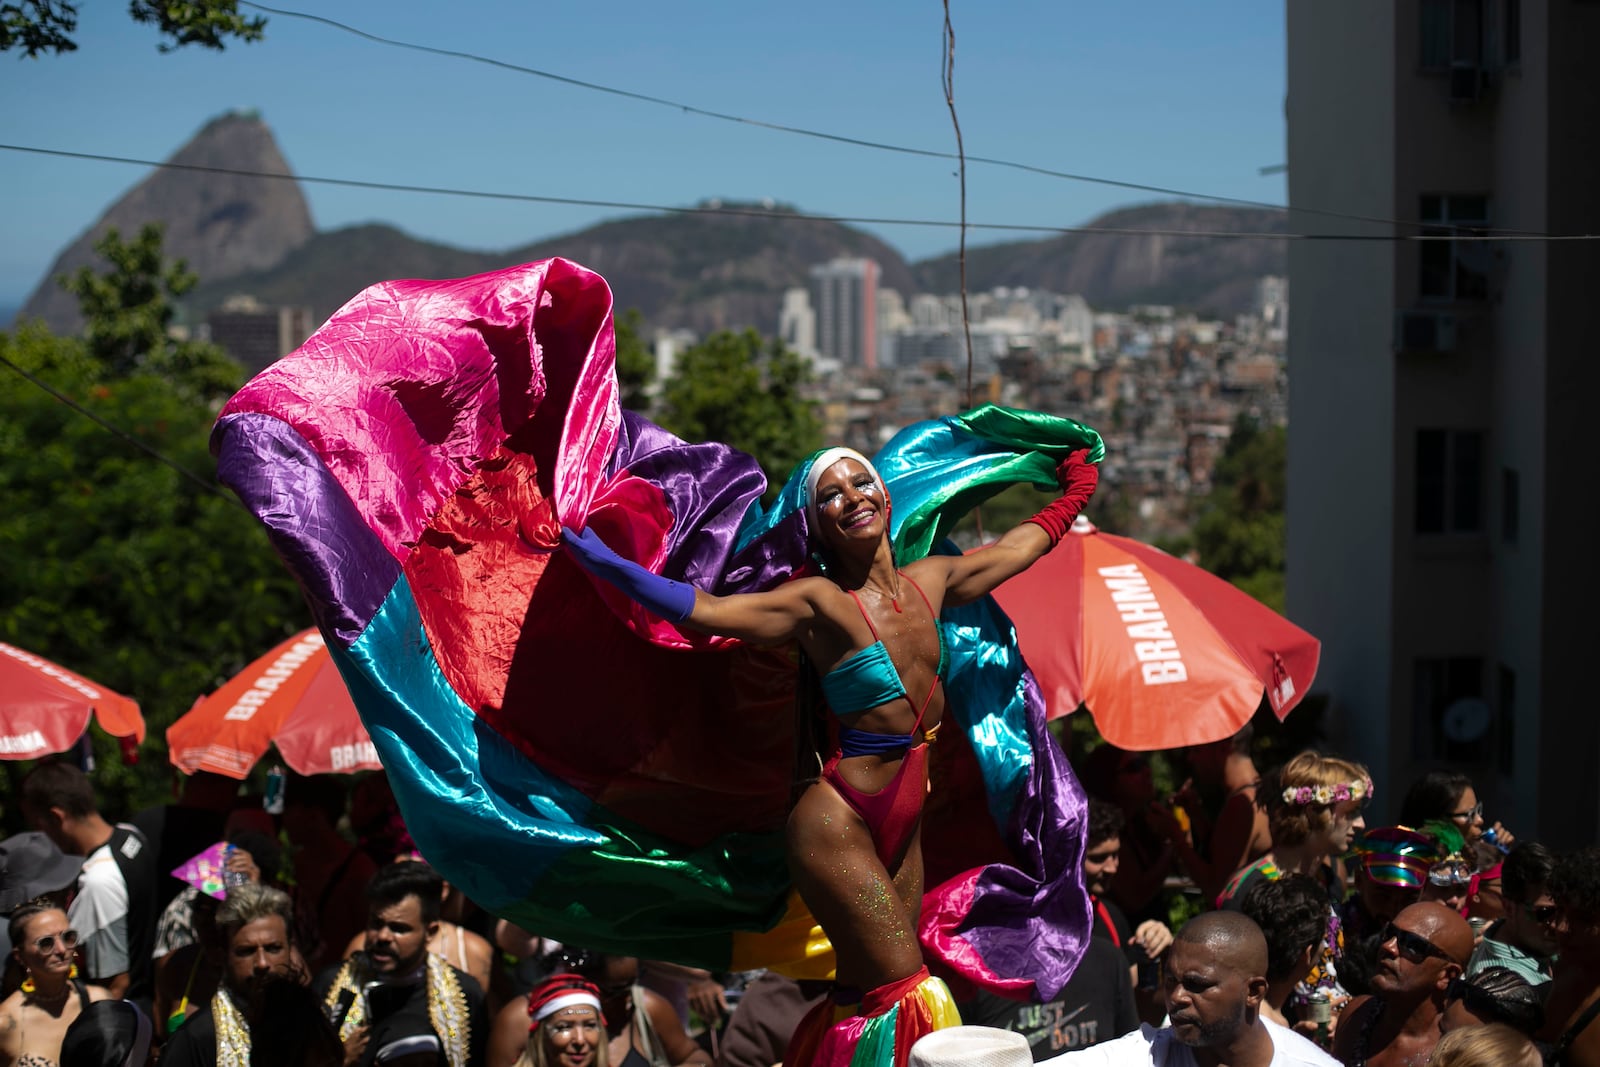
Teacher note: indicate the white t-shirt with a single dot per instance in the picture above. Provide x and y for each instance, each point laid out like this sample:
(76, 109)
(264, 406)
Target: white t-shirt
(1150, 1047)
(100, 915)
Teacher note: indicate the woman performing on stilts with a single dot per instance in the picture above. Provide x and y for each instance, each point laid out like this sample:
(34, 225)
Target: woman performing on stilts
(870, 630)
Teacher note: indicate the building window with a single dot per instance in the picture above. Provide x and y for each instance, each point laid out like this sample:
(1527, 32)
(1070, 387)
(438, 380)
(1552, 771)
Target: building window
(1449, 481)
(1449, 719)
(1506, 706)
(1456, 269)
(1510, 506)
(1451, 33)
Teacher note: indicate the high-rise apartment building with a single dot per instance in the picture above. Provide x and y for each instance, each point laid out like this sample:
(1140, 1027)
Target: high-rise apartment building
(797, 323)
(1440, 529)
(256, 336)
(844, 295)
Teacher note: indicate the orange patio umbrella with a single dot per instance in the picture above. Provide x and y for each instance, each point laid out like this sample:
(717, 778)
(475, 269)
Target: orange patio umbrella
(292, 697)
(45, 708)
(1162, 653)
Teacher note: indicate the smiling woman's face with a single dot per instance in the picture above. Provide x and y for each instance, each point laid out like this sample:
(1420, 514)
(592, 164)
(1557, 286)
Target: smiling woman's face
(850, 505)
(572, 1036)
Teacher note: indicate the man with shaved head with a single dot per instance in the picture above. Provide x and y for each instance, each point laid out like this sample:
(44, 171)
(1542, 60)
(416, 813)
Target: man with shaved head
(1421, 951)
(1213, 981)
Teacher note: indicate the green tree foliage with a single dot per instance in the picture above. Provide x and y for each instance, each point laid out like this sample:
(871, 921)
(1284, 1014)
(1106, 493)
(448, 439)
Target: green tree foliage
(47, 26)
(129, 311)
(1239, 533)
(146, 578)
(636, 364)
(734, 389)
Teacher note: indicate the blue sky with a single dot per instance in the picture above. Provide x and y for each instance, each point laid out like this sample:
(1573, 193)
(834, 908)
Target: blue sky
(1168, 93)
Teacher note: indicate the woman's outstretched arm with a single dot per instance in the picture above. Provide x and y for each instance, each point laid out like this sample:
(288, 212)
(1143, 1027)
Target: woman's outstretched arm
(775, 615)
(973, 575)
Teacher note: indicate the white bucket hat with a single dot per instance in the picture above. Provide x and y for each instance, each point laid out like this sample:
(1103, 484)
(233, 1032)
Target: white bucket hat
(971, 1046)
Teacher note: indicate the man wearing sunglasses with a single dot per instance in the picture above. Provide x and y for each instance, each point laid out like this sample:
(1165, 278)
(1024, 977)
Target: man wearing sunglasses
(1574, 1002)
(1526, 938)
(1421, 952)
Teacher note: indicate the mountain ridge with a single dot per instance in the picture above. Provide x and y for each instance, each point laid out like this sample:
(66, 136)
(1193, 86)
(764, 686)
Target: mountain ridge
(222, 225)
(697, 270)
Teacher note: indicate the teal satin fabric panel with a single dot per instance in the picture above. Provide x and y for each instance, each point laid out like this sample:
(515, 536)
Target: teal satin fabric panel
(465, 791)
(941, 469)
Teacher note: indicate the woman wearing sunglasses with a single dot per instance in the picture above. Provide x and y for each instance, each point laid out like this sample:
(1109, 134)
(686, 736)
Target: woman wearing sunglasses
(34, 1019)
(1448, 796)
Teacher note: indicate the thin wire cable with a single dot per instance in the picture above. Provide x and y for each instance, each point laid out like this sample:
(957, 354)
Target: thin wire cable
(947, 77)
(208, 486)
(860, 220)
(801, 131)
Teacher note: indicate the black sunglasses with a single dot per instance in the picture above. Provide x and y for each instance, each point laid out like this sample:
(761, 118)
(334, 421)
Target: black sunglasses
(1543, 913)
(1413, 947)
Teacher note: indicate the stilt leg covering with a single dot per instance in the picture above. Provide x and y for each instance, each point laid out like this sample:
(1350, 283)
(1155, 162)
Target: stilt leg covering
(877, 1033)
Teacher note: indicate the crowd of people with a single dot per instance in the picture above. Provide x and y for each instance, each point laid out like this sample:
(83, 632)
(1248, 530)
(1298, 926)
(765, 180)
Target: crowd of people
(1318, 939)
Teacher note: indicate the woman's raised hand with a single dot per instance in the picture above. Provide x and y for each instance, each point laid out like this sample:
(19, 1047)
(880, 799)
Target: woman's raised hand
(671, 600)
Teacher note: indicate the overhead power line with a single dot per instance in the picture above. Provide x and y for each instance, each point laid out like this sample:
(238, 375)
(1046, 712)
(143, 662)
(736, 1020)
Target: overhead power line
(755, 212)
(208, 486)
(822, 135)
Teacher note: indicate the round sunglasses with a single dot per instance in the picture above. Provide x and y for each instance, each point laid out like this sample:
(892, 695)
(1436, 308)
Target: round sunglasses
(47, 943)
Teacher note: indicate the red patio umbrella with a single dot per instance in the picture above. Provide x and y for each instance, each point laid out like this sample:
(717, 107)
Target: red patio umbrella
(292, 697)
(45, 708)
(1162, 653)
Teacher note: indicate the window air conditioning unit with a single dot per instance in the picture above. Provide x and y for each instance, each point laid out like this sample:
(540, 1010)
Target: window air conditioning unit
(1466, 81)
(1424, 331)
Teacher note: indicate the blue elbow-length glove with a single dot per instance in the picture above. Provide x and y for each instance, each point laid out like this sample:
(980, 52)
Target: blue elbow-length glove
(670, 599)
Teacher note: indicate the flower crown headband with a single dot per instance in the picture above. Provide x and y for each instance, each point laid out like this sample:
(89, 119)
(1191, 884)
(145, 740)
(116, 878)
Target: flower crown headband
(1337, 793)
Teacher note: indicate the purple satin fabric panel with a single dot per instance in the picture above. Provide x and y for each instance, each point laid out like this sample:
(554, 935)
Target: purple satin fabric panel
(777, 556)
(345, 570)
(412, 383)
(708, 488)
(1050, 824)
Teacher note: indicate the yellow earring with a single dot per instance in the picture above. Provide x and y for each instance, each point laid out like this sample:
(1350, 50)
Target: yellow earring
(28, 988)
(74, 972)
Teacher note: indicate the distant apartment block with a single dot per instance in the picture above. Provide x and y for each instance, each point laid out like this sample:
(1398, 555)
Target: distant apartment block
(797, 323)
(1440, 538)
(257, 336)
(844, 294)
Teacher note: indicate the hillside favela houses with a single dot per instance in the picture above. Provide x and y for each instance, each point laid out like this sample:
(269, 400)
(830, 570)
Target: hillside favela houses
(1163, 386)
(1161, 343)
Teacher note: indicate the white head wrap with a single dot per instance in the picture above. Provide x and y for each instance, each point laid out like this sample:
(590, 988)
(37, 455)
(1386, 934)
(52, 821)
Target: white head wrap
(575, 998)
(825, 459)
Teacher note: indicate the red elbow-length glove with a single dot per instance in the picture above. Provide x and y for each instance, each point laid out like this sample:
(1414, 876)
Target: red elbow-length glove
(1078, 477)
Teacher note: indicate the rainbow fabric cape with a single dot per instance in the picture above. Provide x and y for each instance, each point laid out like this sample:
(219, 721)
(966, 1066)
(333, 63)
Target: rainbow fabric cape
(572, 762)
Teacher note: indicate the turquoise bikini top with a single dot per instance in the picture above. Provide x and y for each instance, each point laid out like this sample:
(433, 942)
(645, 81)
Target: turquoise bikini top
(863, 680)
(868, 678)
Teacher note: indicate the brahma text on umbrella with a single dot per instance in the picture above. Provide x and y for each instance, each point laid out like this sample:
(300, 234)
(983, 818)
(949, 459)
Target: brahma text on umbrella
(33, 741)
(282, 668)
(1156, 649)
(50, 670)
(350, 757)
